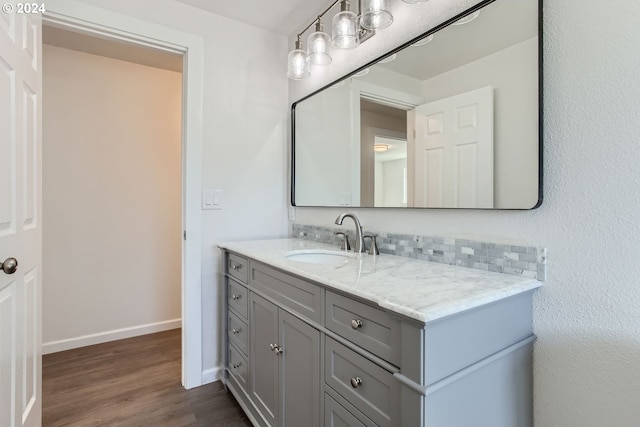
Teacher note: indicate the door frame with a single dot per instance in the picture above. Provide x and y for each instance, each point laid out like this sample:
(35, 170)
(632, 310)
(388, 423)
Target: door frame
(78, 17)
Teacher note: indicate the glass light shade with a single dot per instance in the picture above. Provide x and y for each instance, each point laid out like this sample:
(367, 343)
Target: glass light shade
(345, 29)
(388, 59)
(318, 47)
(375, 14)
(415, 1)
(298, 67)
(467, 19)
(423, 41)
(380, 148)
(362, 73)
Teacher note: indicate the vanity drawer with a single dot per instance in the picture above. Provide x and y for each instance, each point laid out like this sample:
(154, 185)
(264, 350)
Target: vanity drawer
(291, 292)
(238, 367)
(336, 415)
(369, 327)
(369, 388)
(238, 298)
(237, 331)
(237, 267)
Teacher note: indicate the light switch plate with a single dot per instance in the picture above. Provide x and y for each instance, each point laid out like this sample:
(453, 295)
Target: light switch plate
(211, 199)
(344, 199)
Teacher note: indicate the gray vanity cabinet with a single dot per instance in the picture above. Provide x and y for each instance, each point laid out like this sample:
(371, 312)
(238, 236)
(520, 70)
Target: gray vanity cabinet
(285, 366)
(301, 354)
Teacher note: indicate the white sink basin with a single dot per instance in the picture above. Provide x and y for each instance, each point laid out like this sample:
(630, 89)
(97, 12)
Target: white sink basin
(320, 256)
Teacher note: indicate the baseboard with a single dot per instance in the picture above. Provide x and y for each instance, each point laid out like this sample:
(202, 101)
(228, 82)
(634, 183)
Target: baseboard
(212, 375)
(116, 334)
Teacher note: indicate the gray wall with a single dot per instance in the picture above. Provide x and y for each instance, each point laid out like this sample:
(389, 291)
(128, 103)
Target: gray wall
(587, 316)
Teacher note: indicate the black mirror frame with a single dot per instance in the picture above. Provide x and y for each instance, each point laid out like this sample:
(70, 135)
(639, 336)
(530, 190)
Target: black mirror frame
(407, 44)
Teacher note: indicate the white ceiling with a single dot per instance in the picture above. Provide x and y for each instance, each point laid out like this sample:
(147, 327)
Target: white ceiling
(499, 26)
(279, 16)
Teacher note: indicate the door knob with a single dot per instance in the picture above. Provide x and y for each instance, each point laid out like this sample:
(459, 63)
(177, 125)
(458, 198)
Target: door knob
(9, 266)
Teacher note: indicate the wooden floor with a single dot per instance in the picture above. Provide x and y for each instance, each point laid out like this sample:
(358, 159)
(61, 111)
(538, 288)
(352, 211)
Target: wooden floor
(131, 383)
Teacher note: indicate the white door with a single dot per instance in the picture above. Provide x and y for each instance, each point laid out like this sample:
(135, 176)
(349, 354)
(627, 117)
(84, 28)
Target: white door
(454, 151)
(20, 220)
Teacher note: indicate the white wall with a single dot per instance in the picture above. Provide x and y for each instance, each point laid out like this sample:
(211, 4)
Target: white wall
(111, 198)
(587, 316)
(244, 146)
(513, 75)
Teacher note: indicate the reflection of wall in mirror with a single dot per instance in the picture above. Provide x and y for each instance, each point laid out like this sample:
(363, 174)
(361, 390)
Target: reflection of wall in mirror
(374, 124)
(324, 161)
(513, 73)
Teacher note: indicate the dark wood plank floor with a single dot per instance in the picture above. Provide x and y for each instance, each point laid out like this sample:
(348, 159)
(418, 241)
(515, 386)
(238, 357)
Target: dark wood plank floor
(131, 383)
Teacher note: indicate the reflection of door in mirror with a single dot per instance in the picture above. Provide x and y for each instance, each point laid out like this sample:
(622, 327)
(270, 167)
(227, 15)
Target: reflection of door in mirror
(383, 134)
(454, 151)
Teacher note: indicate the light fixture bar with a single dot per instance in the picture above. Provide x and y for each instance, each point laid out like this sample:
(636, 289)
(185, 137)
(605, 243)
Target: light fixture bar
(319, 17)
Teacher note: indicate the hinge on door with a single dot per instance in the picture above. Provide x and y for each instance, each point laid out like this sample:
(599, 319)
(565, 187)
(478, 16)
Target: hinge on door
(184, 234)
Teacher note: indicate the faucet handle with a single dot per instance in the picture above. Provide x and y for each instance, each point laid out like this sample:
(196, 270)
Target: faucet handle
(345, 240)
(373, 248)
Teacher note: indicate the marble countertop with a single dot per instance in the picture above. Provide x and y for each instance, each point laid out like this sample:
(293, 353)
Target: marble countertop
(421, 290)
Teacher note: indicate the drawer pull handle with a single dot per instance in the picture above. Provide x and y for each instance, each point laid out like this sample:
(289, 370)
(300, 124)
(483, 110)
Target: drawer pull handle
(235, 331)
(237, 365)
(236, 267)
(356, 382)
(236, 297)
(356, 324)
(276, 348)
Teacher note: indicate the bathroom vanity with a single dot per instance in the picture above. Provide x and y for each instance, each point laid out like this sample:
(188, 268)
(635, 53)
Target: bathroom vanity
(315, 337)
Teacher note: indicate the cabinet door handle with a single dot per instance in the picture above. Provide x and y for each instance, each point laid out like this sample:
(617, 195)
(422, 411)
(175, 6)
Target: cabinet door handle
(236, 267)
(235, 297)
(356, 382)
(235, 331)
(276, 348)
(356, 324)
(237, 365)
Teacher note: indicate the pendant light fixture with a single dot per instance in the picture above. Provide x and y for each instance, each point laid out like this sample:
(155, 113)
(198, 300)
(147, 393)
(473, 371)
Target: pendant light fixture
(318, 46)
(375, 14)
(345, 28)
(348, 30)
(298, 66)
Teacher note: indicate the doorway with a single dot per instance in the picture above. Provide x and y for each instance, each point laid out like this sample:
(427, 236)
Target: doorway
(111, 190)
(136, 32)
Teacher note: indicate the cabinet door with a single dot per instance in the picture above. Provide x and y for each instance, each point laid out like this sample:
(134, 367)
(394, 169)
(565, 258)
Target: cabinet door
(300, 344)
(264, 361)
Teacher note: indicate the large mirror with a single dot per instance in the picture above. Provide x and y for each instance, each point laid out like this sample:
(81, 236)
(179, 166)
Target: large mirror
(450, 120)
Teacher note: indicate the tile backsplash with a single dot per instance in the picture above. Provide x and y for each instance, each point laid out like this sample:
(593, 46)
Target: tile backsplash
(526, 261)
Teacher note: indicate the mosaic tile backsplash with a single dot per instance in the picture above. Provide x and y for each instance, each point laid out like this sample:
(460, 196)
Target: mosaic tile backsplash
(523, 261)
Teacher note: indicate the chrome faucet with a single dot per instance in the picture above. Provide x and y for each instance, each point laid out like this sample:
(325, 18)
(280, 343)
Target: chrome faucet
(359, 245)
